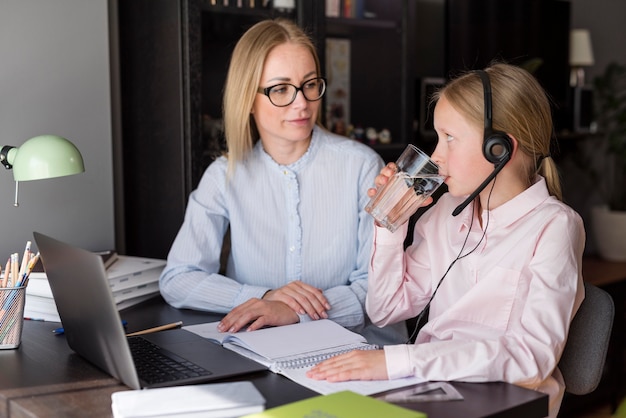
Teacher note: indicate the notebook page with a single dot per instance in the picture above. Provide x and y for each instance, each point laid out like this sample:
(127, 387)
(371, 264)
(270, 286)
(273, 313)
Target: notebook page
(284, 341)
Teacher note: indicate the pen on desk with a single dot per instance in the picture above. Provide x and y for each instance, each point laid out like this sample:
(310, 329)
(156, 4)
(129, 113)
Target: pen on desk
(157, 329)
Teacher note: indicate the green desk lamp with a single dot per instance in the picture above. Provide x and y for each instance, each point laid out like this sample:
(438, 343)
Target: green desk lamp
(41, 157)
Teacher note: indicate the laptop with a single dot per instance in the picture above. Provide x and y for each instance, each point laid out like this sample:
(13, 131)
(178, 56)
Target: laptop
(94, 330)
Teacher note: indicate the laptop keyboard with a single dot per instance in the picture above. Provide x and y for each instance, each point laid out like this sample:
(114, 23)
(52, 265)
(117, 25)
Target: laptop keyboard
(155, 365)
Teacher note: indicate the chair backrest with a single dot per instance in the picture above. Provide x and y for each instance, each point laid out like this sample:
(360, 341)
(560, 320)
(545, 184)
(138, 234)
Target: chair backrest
(583, 358)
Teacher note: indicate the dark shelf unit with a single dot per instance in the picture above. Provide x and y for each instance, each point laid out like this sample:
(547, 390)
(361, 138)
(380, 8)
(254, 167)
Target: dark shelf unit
(173, 57)
(382, 70)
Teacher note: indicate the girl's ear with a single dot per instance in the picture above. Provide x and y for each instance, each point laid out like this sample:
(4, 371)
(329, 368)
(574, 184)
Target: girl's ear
(514, 145)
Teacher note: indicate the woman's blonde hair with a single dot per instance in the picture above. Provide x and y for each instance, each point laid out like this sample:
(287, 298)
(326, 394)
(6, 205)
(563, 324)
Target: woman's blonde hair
(244, 76)
(520, 108)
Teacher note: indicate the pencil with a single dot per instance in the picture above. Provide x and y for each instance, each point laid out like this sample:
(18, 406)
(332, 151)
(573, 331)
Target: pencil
(29, 268)
(157, 329)
(14, 270)
(7, 273)
(25, 259)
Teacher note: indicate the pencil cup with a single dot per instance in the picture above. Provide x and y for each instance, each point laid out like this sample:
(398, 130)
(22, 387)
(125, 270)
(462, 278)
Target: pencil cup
(11, 316)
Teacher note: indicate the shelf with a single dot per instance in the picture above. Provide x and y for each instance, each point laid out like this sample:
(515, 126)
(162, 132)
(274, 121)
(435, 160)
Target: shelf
(363, 23)
(234, 9)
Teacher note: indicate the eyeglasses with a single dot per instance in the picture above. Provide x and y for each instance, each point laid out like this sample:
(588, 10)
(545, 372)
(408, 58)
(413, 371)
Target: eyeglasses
(284, 94)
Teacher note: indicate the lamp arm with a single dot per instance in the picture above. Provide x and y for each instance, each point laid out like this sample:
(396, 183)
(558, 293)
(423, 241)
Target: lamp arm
(6, 159)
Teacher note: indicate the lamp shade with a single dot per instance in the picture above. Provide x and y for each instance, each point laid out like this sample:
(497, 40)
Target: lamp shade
(45, 156)
(580, 50)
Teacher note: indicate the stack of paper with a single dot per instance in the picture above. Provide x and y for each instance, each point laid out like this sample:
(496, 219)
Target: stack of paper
(132, 280)
(217, 400)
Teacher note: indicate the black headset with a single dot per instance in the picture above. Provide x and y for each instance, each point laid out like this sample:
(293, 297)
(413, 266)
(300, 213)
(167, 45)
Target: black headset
(497, 145)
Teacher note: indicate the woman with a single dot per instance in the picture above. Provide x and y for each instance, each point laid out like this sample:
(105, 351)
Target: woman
(502, 279)
(292, 195)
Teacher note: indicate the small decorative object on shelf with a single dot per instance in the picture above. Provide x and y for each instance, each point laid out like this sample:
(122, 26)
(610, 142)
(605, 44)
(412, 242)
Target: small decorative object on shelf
(384, 136)
(284, 4)
(371, 135)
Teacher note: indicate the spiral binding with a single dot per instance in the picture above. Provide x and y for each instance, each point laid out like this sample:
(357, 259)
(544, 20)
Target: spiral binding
(298, 362)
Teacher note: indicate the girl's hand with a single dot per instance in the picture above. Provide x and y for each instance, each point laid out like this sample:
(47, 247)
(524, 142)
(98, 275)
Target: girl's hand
(381, 179)
(355, 365)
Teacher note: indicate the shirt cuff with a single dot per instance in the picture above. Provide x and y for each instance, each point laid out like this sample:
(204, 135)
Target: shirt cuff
(383, 236)
(249, 292)
(398, 361)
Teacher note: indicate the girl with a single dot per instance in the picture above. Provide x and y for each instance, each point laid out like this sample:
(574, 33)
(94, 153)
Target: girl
(502, 280)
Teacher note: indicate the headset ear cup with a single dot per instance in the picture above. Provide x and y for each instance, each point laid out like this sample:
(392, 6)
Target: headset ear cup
(497, 147)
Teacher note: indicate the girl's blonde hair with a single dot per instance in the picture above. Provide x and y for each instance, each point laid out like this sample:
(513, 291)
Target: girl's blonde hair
(520, 108)
(244, 76)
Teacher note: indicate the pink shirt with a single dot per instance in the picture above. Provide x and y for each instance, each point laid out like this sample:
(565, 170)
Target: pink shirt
(502, 313)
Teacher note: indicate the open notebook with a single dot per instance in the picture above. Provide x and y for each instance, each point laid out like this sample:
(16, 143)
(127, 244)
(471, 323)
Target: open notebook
(291, 350)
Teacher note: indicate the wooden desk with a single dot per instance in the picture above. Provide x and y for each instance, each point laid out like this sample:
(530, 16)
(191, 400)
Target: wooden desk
(43, 377)
(601, 273)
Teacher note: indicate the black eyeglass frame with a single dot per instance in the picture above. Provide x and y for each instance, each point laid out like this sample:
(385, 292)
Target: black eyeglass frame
(266, 91)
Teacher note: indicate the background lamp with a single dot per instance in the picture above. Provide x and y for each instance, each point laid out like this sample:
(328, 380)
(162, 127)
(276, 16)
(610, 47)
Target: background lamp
(42, 157)
(580, 55)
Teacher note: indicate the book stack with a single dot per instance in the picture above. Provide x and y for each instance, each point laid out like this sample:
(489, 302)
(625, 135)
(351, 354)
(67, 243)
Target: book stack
(347, 9)
(132, 280)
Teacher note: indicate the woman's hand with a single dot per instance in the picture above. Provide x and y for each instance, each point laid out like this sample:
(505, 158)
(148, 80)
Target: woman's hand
(257, 313)
(302, 298)
(355, 365)
(277, 307)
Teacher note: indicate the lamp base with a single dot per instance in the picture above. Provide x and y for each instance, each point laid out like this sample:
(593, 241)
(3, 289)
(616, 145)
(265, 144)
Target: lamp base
(577, 77)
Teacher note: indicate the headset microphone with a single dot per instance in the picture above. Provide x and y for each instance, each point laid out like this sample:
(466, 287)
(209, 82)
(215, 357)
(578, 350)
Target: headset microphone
(497, 145)
(480, 188)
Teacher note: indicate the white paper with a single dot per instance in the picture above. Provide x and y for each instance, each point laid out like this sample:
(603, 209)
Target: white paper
(206, 400)
(363, 387)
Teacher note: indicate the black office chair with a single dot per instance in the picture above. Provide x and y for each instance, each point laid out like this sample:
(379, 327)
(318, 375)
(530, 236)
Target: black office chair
(583, 358)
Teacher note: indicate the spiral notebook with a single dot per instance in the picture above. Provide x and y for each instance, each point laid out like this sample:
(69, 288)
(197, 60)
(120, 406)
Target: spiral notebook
(291, 350)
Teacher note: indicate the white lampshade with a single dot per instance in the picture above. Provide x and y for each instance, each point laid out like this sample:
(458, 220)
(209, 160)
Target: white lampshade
(580, 50)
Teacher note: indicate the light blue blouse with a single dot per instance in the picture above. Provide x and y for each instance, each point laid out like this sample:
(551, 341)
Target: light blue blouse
(305, 221)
